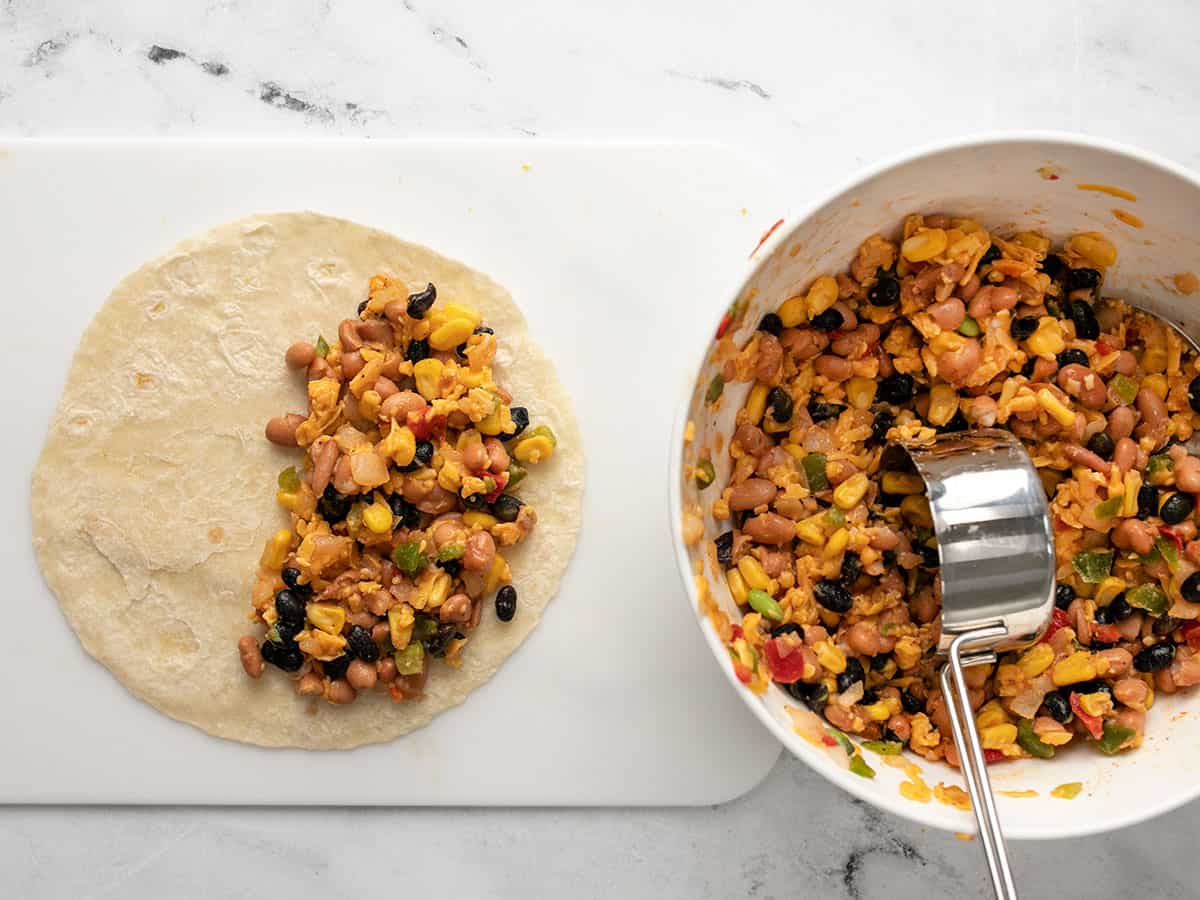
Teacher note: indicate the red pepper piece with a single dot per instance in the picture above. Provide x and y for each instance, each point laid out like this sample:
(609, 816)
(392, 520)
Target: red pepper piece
(991, 756)
(828, 740)
(1106, 634)
(1103, 347)
(501, 482)
(1169, 533)
(785, 661)
(736, 633)
(1094, 724)
(726, 321)
(1057, 620)
(1191, 634)
(742, 673)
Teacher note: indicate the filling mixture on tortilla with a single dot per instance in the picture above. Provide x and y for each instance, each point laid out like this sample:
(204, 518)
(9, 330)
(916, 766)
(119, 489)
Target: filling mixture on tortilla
(402, 503)
(834, 559)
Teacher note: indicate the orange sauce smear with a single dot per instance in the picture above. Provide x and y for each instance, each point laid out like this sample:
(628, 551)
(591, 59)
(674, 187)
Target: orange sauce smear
(1110, 190)
(1124, 215)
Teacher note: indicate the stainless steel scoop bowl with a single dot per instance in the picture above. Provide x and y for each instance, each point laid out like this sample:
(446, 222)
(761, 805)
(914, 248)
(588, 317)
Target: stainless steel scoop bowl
(996, 548)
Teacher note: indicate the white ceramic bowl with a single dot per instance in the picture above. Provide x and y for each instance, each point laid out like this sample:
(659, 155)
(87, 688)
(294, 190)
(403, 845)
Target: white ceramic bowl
(1007, 182)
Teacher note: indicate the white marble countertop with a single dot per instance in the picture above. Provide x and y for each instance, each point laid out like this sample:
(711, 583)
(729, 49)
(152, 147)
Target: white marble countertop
(817, 92)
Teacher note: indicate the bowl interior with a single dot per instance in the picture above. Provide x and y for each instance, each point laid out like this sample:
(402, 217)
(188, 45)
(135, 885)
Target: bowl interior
(1008, 184)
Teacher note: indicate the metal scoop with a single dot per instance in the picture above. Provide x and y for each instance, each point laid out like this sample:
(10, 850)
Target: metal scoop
(997, 568)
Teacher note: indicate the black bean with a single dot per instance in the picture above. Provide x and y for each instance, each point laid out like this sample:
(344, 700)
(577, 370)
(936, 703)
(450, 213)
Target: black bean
(853, 672)
(851, 568)
(289, 606)
(814, 696)
(291, 577)
(483, 329)
(1156, 658)
(1054, 266)
(881, 425)
(880, 662)
(361, 307)
(1082, 279)
(724, 544)
(283, 656)
(336, 668)
(287, 631)
(1190, 589)
(477, 500)
(1063, 595)
(359, 643)
(1058, 706)
(889, 559)
(990, 255)
(958, 422)
(929, 556)
(781, 405)
(1022, 327)
(1121, 609)
(520, 417)
(506, 508)
(885, 291)
(1147, 501)
(1073, 355)
(869, 696)
(1027, 369)
(819, 411)
(437, 644)
(450, 566)
(422, 457)
(787, 628)
(506, 603)
(406, 514)
(1176, 508)
(417, 350)
(1104, 615)
(1164, 625)
(833, 596)
(896, 389)
(771, 324)
(1102, 445)
(1194, 394)
(333, 506)
(421, 302)
(912, 704)
(1086, 326)
(1095, 686)
(830, 320)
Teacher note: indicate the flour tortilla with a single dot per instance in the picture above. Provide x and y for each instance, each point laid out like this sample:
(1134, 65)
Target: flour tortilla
(154, 493)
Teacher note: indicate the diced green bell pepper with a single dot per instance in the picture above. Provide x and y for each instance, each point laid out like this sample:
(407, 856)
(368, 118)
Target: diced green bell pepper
(814, 471)
(1148, 597)
(322, 347)
(843, 741)
(424, 627)
(1031, 743)
(1158, 468)
(409, 559)
(716, 388)
(1114, 736)
(884, 748)
(516, 474)
(1168, 551)
(288, 480)
(1125, 388)
(451, 552)
(1106, 509)
(1093, 566)
(410, 660)
(704, 473)
(835, 517)
(859, 766)
(969, 327)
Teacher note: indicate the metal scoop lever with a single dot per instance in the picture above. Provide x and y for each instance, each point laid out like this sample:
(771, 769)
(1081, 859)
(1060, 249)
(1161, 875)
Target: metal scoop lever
(996, 549)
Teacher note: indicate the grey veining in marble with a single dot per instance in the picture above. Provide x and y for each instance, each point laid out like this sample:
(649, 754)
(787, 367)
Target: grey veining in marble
(817, 90)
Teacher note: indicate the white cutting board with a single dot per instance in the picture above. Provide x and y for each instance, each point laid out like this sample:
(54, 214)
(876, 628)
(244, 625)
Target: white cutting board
(619, 256)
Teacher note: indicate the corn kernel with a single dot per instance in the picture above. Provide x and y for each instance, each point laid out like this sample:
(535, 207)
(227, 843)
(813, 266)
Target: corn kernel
(1062, 413)
(1154, 360)
(1079, 666)
(378, 517)
(837, 543)
(329, 617)
(810, 532)
(473, 518)
(1133, 483)
(1108, 589)
(737, 586)
(1156, 383)
(756, 403)
(791, 312)
(849, 493)
(449, 477)
(860, 392)
(821, 295)
(992, 713)
(924, 245)
(1096, 704)
(997, 736)
(1047, 340)
(450, 335)
(400, 445)
(902, 483)
(795, 451)
(435, 589)
(276, 550)
(440, 315)
(1036, 660)
(427, 373)
(943, 404)
(830, 657)
(500, 573)
(878, 712)
(753, 572)
(533, 449)
(915, 510)
(400, 625)
(907, 652)
(1094, 247)
(1008, 680)
(369, 405)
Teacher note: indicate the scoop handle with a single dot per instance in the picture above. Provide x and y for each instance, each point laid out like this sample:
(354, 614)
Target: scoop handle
(970, 753)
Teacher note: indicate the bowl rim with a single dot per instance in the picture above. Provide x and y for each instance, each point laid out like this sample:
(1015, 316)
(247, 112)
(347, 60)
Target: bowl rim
(945, 818)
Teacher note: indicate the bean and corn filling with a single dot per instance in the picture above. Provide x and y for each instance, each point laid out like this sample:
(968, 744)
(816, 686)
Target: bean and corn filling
(833, 559)
(402, 506)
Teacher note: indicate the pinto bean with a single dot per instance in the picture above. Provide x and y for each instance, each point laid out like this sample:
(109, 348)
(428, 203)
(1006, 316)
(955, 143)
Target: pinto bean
(324, 455)
(1084, 384)
(774, 562)
(854, 344)
(362, 619)
(803, 343)
(1153, 410)
(864, 638)
(1121, 422)
(475, 457)
(377, 331)
(456, 608)
(845, 719)
(1135, 535)
(971, 288)
(300, 355)
(498, 460)
(840, 470)
(991, 298)
(385, 387)
(884, 539)
(925, 607)
(1186, 530)
(1126, 363)
(1125, 454)
(849, 319)
(751, 493)
(352, 364)
(340, 692)
(948, 314)
(481, 550)
(833, 367)
(386, 669)
(251, 655)
(281, 430)
(381, 632)
(773, 459)
(1131, 692)
(1119, 661)
(982, 411)
(956, 365)
(1133, 719)
(1043, 369)
(343, 477)
(770, 357)
(398, 406)
(1187, 474)
(1081, 456)
(318, 369)
(395, 310)
(770, 528)
(361, 675)
(751, 439)
(348, 335)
